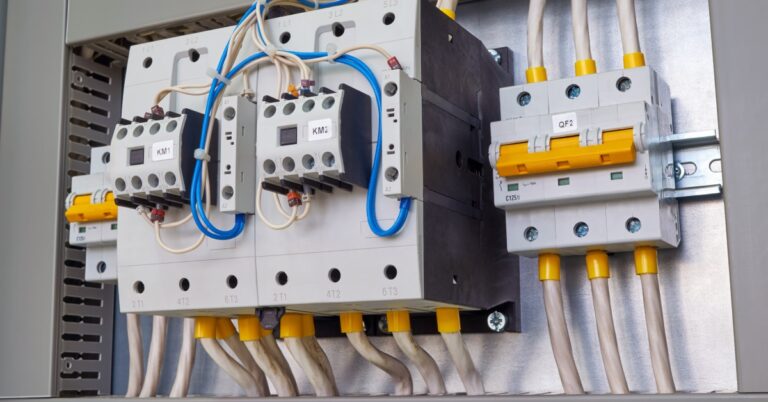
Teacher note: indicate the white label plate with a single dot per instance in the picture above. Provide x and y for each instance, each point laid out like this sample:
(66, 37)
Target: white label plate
(162, 151)
(320, 129)
(565, 123)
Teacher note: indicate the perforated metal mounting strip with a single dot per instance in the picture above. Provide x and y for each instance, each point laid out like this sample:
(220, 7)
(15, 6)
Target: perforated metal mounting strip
(86, 312)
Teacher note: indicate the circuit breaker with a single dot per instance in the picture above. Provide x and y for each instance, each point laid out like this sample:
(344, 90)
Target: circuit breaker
(435, 134)
(92, 215)
(583, 163)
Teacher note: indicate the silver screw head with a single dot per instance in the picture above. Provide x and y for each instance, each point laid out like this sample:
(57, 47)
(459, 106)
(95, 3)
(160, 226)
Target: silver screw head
(497, 321)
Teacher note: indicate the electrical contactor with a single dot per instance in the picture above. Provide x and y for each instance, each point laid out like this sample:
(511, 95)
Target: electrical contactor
(582, 163)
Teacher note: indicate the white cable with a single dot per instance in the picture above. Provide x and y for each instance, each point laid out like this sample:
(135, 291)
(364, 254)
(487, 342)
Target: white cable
(536, 33)
(280, 208)
(390, 365)
(581, 29)
(246, 360)
(606, 333)
(448, 4)
(470, 377)
(283, 382)
(558, 336)
(423, 361)
(628, 26)
(241, 376)
(156, 357)
(271, 347)
(135, 355)
(186, 360)
(313, 369)
(263, 218)
(657, 336)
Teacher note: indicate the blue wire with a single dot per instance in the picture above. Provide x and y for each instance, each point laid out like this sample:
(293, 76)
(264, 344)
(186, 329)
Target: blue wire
(198, 212)
(370, 205)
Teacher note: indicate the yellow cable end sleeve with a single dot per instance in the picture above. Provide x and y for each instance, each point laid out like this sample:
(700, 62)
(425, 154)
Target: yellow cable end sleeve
(448, 320)
(585, 67)
(291, 326)
(250, 328)
(634, 60)
(536, 74)
(549, 267)
(307, 325)
(597, 265)
(399, 321)
(205, 327)
(351, 322)
(646, 260)
(450, 13)
(265, 332)
(224, 328)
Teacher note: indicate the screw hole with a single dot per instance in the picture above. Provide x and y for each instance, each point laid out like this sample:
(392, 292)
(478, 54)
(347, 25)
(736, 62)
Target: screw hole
(171, 126)
(270, 111)
(229, 113)
(308, 162)
(390, 272)
(624, 84)
(389, 18)
(184, 284)
(138, 131)
(581, 229)
(227, 192)
(285, 37)
(289, 108)
(334, 275)
(147, 62)
(633, 225)
(170, 178)
(338, 29)
(138, 287)
(281, 278)
(269, 166)
(153, 180)
(153, 129)
(524, 99)
(390, 89)
(121, 133)
(328, 102)
(531, 233)
(289, 164)
(308, 106)
(573, 91)
(105, 158)
(194, 55)
(120, 184)
(329, 159)
(101, 267)
(232, 281)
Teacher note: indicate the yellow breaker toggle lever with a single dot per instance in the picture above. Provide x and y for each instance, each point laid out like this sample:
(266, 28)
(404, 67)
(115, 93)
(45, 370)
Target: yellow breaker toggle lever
(82, 210)
(566, 153)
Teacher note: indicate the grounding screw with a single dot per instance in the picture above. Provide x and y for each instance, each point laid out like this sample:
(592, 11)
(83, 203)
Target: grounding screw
(497, 321)
(679, 171)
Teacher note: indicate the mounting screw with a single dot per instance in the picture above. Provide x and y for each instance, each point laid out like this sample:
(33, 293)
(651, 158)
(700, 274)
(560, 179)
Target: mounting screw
(383, 327)
(497, 321)
(496, 56)
(679, 171)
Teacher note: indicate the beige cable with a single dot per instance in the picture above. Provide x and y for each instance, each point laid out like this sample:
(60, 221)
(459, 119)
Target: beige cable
(630, 41)
(606, 332)
(283, 382)
(470, 377)
(135, 355)
(581, 29)
(312, 368)
(231, 367)
(270, 344)
(387, 363)
(243, 355)
(317, 352)
(657, 336)
(646, 267)
(559, 338)
(536, 33)
(424, 363)
(156, 357)
(186, 360)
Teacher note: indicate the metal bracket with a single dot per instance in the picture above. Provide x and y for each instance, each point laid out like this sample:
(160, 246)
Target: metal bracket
(698, 166)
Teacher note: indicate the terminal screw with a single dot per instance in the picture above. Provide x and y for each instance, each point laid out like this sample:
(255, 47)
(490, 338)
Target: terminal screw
(495, 55)
(497, 321)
